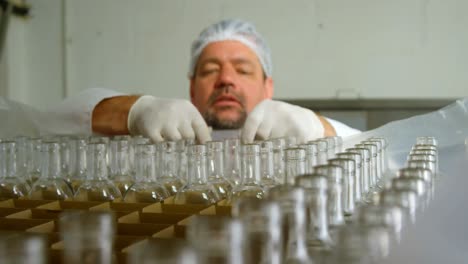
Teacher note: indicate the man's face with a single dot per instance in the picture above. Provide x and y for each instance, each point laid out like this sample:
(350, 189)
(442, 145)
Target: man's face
(228, 83)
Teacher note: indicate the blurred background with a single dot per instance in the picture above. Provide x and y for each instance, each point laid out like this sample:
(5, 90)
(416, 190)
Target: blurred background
(364, 62)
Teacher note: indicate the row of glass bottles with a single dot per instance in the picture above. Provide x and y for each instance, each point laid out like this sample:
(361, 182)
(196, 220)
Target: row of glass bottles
(94, 168)
(306, 222)
(309, 221)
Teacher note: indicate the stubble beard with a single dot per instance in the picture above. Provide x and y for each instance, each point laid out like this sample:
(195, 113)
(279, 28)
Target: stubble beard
(212, 116)
(213, 120)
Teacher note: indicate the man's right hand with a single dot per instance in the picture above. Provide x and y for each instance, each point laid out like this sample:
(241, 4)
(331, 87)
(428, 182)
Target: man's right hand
(166, 119)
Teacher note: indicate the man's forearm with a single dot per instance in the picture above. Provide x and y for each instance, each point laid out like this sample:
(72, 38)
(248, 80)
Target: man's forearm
(329, 131)
(111, 114)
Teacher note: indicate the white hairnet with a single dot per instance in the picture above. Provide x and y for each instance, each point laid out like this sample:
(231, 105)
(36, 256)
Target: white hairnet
(232, 29)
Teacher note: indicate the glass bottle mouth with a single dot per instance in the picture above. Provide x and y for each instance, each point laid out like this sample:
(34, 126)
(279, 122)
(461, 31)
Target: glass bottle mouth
(312, 181)
(322, 145)
(348, 165)
(252, 149)
(422, 173)
(215, 146)
(334, 173)
(196, 150)
(291, 154)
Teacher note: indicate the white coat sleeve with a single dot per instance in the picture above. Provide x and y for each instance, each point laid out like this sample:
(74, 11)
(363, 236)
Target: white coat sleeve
(17, 119)
(74, 114)
(341, 129)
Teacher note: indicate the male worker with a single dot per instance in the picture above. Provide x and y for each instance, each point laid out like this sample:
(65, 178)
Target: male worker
(231, 87)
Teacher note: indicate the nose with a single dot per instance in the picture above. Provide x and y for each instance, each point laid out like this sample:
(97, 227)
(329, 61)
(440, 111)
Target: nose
(225, 78)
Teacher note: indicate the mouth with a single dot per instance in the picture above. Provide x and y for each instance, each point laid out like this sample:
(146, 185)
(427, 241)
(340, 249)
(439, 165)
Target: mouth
(226, 100)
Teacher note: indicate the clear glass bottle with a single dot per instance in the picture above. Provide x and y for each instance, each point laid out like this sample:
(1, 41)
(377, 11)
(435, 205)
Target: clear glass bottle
(311, 150)
(383, 152)
(430, 148)
(357, 173)
(349, 202)
(374, 220)
(330, 146)
(77, 167)
(64, 142)
(181, 159)
(232, 160)
(104, 140)
(23, 156)
(250, 185)
(97, 186)
(11, 186)
(376, 149)
(374, 174)
(168, 167)
(388, 216)
(426, 157)
(134, 141)
(34, 168)
(51, 185)
(424, 151)
(407, 199)
(197, 190)
(146, 189)
(279, 144)
(415, 184)
(295, 161)
(216, 177)
(88, 237)
(338, 143)
(318, 237)
(335, 208)
(292, 201)
(262, 220)
(423, 164)
(218, 239)
(423, 174)
(365, 168)
(119, 164)
(322, 148)
(268, 178)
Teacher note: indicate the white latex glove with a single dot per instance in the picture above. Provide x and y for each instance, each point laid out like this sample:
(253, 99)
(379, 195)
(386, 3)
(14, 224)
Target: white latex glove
(274, 119)
(166, 119)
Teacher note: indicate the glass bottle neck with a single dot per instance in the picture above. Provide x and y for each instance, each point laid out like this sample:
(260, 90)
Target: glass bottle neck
(251, 168)
(96, 162)
(232, 160)
(65, 155)
(167, 160)
(120, 158)
(7, 159)
(145, 165)
(294, 164)
(197, 165)
(77, 166)
(50, 155)
(23, 146)
(267, 170)
(293, 168)
(215, 164)
(35, 164)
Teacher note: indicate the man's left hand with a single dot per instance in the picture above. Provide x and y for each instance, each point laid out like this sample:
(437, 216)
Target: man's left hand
(274, 119)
